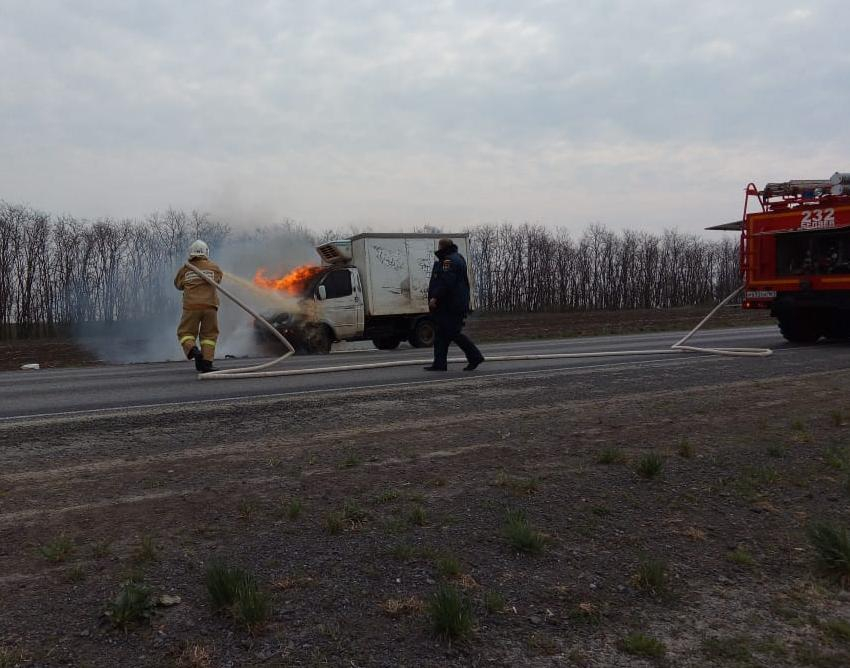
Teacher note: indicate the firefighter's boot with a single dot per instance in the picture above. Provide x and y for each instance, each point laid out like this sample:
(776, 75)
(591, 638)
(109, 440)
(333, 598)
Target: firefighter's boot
(200, 362)
(193, 353)
(205, 366)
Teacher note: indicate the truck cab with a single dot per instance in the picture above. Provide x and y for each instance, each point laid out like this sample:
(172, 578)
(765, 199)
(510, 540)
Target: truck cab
(341, 296)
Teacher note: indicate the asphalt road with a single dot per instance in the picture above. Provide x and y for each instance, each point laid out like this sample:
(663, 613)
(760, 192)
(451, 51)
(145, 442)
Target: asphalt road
(26, 395)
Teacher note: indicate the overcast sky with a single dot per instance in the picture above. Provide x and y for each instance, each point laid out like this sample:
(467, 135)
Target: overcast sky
(389, 114)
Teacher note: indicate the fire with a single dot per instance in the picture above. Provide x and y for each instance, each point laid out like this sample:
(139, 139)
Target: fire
(293, 282)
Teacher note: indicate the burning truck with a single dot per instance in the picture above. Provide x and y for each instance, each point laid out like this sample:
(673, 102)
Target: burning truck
(370, 287)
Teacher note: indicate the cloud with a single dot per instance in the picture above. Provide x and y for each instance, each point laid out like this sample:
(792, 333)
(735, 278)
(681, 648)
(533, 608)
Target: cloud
(716, 49)
(398, 113)
(797, 15)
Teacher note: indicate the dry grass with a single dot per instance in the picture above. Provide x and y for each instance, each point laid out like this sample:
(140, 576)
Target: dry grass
(195, 655)
(399, 607)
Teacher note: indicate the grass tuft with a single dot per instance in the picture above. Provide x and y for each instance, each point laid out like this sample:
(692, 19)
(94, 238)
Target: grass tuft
(448, 566)
(387, 496)
(246, 509)
(649, 465)
(12, 657)
(832, 544)
(735, 649)
(611, 456)
(350, 461)
(839, 629)
(146, 550)
(222, 583)
(450, 613)
(252, 605)
(776, 451)
(334, 522)
(600, 511)
(519, 486)
(520, 535)
(403, 551)
(75, 574)
(838, 458)
(587, 612)
(685, 449)
(234, 589)
(398, 607)
(133, 604)
(292, 508)
(101, 549)
(417, 516)
(58, 549)
(494, 602)
(194, 655)
(353, 513)
(651, 577)
(741, 556)
(638, 644)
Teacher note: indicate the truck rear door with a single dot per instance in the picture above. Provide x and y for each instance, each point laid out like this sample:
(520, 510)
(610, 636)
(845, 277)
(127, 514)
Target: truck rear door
(420, 259)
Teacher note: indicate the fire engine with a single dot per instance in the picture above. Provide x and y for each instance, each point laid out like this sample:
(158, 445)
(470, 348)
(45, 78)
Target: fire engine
(795, 255)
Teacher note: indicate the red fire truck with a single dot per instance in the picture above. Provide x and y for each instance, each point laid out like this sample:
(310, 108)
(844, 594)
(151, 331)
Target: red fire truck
(795, 255)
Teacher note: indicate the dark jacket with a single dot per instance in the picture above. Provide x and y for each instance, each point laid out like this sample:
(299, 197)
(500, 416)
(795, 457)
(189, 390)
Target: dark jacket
(449, 282)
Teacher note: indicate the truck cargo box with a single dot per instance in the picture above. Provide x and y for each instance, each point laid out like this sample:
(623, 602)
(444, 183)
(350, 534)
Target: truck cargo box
(395, 270)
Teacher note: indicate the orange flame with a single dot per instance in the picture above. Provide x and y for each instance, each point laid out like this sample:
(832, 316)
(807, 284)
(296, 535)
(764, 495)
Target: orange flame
(293, 282)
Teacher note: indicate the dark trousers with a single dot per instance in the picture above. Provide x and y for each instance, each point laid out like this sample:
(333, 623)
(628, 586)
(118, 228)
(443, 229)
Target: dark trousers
(449, 330)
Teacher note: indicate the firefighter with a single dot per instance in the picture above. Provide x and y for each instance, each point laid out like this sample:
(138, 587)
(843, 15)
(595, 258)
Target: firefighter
(200, 307)
(448, 300)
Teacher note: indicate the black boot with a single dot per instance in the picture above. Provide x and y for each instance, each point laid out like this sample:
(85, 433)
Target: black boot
(206, 366)
(199, 362)
(472, 366)
(193, 352)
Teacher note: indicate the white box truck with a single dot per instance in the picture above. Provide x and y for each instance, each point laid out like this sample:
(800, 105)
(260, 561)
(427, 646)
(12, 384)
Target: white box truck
(372, 287)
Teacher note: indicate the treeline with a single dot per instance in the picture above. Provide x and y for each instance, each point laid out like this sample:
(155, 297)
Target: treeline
(57, 271)
(532, 268)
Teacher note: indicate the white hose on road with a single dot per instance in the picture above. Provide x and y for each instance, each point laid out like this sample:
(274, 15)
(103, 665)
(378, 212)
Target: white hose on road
(258, 370)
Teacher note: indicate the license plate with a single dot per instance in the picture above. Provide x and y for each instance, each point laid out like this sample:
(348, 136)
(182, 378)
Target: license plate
(760, 294)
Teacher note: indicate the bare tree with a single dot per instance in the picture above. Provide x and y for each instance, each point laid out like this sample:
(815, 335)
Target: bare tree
(63, 271)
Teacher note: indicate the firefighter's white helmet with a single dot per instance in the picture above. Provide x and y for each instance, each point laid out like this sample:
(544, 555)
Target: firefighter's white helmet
(199, 249)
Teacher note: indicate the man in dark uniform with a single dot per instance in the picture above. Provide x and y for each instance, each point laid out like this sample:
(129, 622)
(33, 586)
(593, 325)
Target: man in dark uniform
(448, 299)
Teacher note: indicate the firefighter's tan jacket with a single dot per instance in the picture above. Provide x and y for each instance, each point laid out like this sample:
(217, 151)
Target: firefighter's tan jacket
(197, 293)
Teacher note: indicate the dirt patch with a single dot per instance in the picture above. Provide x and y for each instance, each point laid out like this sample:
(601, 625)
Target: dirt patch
(48, 353)
(350, 528)
(527, 326)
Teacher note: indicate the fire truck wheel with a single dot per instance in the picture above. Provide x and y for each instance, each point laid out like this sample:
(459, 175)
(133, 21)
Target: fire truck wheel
(798, 328)
(422, 335)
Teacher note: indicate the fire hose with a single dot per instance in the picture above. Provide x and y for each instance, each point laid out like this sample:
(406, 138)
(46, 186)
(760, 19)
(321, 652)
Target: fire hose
(258, 371)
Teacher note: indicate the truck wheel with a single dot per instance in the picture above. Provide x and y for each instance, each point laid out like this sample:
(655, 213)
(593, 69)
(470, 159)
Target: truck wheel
(386, 342)
(319, 340)
(422, 335)
(799, 328)
(836, 325)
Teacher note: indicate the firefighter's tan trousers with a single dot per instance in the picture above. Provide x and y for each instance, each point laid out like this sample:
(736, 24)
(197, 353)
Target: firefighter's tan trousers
(199, 323)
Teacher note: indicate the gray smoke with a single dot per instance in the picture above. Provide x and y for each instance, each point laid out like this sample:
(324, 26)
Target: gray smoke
(153, 338)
